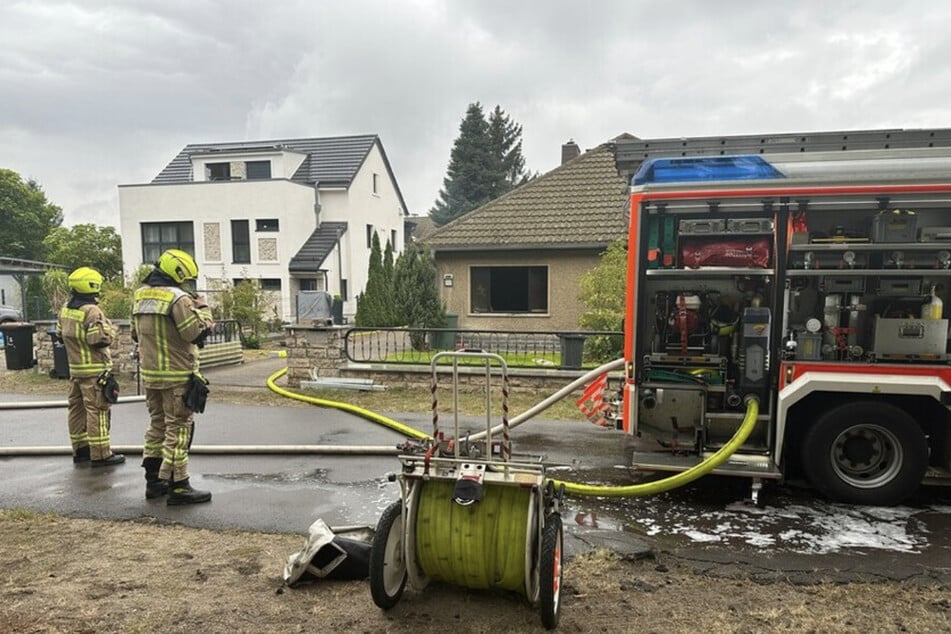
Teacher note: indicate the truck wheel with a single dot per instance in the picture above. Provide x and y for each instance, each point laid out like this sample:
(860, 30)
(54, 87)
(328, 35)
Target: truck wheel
(387, 566)
(865, 453)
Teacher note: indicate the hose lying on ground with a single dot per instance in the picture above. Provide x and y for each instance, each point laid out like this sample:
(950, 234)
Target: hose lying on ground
(588, 490)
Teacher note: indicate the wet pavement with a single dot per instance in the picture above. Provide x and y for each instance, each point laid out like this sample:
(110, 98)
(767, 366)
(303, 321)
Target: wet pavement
(793, 535)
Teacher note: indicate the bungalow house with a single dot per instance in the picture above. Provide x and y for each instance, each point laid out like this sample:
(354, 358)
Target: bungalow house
(516, 262)
(294, 215)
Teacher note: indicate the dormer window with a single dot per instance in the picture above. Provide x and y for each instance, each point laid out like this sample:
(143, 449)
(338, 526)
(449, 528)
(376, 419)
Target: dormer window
(218, 171)
(258, 170)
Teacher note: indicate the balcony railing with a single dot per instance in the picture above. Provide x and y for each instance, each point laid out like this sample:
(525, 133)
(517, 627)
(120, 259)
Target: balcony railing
(520, 348)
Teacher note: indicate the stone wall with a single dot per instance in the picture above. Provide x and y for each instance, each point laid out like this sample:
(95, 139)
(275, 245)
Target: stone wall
(123, 363)
(314, 351)
(321, 349)
(122, 360)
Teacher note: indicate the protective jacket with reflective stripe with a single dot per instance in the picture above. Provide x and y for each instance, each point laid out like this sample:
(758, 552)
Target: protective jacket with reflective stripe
(165, 322)
(87, 335)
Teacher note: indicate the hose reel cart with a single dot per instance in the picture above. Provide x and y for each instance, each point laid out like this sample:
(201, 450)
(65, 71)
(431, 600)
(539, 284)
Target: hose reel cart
(468, 513)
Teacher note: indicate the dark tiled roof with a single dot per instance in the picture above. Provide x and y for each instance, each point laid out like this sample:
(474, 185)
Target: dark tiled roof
(318, 246)
(329, 160)
(332, 160)
(581, 204)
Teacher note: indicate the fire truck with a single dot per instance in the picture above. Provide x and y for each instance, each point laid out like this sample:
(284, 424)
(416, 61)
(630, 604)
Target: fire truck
(812, 282)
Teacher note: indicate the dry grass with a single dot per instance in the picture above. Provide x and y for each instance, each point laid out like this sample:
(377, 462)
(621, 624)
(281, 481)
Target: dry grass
(72, 575)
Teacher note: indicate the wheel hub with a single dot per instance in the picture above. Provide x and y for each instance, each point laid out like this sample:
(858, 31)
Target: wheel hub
(866, 455)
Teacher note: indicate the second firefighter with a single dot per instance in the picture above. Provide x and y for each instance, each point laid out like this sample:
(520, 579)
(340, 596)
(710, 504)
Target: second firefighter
(169, 323)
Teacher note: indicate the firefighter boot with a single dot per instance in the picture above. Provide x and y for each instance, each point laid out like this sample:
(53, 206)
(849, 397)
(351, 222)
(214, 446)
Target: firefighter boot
(155, 487)
(181, 492)
(111, 461)
(81, 455)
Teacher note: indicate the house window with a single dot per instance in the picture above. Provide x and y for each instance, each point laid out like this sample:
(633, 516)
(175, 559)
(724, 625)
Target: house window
(343, 289)
(159, 236)
(508, 289)
(308, 285)
(258, 170)
(393, 238)
(369, 236)
(218, 171)
(376, 183)
(270, 284)
(266, 224)
(240, 242)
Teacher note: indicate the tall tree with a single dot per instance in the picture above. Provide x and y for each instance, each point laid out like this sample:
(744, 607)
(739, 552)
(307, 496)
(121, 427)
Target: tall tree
(506, 138)
(471, 174)
(374, 304)
(417, 295)
(486, 161)
(26, 217)
(86, 245)
(389, 299)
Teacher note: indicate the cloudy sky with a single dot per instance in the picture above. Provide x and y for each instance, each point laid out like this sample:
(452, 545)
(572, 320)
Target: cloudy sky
(94, 93)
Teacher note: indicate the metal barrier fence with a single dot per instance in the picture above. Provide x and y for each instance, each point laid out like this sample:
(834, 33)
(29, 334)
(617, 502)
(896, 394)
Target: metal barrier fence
(225, 330)
(520, 348)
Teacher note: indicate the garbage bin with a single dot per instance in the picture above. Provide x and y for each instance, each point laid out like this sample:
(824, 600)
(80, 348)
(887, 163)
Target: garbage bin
(60, 360)
(18, 344)
(572, 350)
(446, 339)
(336, 309)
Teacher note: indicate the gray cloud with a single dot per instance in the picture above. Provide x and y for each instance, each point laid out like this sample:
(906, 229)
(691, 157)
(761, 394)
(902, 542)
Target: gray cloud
(98, 93)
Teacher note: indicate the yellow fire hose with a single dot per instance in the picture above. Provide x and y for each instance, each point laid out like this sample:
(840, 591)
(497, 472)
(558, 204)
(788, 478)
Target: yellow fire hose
(406, 430)
(588, 490)
(666, 484)
(477, 546)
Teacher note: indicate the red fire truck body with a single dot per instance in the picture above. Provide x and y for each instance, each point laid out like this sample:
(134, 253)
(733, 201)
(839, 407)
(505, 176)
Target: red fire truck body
(814, 282)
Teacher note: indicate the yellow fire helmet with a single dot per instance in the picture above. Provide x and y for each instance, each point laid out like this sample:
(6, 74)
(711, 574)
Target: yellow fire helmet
(178, 265)
(85, 281)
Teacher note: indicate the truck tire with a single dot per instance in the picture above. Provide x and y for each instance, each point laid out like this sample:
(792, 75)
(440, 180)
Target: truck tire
(865, 453)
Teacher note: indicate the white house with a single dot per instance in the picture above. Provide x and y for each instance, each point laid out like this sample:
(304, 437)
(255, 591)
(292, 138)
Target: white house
(294, 214)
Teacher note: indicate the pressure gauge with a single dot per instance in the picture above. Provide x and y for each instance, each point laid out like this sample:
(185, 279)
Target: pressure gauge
(849, 258)
(813, 325)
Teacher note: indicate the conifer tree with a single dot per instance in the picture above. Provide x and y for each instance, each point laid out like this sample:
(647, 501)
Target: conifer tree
(417, 296)
(390, 312)
(371, 303)
(486, 161)
(506, 138)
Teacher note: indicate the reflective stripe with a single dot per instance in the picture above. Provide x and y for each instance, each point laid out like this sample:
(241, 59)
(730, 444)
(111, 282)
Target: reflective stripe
(150, 300)
(166, 376)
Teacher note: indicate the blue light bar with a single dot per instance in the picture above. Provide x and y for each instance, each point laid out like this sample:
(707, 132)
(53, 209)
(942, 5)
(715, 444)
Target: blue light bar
(698, 169)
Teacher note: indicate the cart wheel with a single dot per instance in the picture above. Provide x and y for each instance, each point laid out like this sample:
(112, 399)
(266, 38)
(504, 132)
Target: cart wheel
(550, 573)
(387, 566)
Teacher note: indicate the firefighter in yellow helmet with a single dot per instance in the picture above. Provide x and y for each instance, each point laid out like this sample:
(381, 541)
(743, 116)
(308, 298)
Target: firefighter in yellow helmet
(87, 333)
(170, 324)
